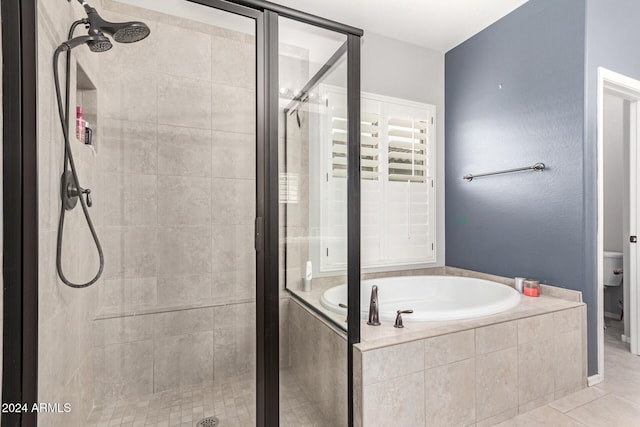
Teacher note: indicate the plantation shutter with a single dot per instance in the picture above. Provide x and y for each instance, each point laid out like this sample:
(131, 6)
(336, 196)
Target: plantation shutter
(369, 140)
(407, 142)
(410, 188)
(397, 186)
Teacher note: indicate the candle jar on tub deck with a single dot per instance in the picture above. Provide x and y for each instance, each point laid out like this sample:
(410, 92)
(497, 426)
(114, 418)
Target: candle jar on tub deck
(532, 288)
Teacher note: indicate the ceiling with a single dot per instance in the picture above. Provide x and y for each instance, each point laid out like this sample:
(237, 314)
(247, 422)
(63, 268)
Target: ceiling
(434, 24)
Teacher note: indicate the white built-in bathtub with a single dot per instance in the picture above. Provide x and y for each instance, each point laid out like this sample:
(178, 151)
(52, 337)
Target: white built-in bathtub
(430, 297)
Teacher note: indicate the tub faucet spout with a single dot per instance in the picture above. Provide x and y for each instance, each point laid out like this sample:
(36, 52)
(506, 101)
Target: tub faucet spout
(374, 317)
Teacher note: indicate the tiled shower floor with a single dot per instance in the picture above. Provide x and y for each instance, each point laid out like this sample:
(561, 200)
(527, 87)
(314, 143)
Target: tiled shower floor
(232, 401)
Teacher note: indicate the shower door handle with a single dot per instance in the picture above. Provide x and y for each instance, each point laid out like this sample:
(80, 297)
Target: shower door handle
(258, 236)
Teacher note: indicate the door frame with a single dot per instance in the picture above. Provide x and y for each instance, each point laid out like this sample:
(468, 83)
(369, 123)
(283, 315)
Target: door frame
(628, 89)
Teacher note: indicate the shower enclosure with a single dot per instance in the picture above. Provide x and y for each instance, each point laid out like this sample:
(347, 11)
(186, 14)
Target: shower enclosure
(204, 213)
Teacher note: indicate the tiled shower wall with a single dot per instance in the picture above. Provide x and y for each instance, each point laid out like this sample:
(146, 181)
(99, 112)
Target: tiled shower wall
(176, 203)
(65, 315)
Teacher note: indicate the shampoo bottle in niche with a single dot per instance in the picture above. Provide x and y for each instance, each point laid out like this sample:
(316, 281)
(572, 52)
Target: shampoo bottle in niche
(88, 134)
(306, 285)
(80, 124)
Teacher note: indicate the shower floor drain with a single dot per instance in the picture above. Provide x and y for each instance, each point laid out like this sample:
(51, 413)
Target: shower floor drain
(208, 422)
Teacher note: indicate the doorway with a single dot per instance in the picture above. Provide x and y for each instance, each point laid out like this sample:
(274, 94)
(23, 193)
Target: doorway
(618, 107)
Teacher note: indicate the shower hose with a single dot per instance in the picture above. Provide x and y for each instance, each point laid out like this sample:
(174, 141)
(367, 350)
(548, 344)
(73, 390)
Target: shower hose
(63, 112)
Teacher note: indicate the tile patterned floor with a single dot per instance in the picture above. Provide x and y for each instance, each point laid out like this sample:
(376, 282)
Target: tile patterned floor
(233, 402)
(614, 402)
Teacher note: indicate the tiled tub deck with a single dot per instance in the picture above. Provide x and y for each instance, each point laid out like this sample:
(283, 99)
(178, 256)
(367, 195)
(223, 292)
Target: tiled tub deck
(474, 372)
(469, 372)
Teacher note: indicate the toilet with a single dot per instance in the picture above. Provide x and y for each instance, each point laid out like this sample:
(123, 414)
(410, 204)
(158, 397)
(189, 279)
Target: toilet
(612, 265)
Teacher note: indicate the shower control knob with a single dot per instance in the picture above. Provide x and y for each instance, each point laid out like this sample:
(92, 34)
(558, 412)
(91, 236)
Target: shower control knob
(88, 193)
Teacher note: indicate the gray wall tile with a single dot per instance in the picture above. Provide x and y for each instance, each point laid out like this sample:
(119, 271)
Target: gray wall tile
(184, 251)
(184, 200)
(182, 289)
(123, 370)
(182, 360)
(233, 62)
(181, 322)
(536, 328)
(129, 95)
(496, 337)
(184, 102)
(183, 52)
(184, 151)
(233, 155)
(450, 393)
(392, 362)
(398, 401)
(233, 109)
(121, 330)
(127, 147)
(449, 348)
(128, 293)
(234, 201)
(535, 370)
(496, 382)
(234, 340)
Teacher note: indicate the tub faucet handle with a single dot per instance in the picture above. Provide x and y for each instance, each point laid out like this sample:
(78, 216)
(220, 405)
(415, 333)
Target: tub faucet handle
(374, 316)
(398, 323)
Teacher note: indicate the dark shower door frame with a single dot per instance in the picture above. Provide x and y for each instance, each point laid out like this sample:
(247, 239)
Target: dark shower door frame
(20, 201)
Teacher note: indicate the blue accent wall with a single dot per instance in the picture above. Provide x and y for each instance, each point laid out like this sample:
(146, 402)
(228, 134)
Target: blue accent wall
(514, 96)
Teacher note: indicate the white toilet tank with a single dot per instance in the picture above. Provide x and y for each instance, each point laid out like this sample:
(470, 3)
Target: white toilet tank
(612, 261)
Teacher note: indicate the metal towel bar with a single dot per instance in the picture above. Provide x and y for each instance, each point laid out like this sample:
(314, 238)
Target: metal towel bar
(538, 167)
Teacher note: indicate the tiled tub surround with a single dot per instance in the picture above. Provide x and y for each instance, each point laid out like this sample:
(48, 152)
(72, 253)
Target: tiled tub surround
(319, 363)
(475, 371)
(478, 371)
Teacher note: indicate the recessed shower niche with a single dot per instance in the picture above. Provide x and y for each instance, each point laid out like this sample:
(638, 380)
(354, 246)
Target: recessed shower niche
(87, 100)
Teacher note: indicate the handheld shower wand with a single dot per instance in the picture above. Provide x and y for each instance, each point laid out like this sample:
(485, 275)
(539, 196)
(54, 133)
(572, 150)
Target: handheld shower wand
(71, 191)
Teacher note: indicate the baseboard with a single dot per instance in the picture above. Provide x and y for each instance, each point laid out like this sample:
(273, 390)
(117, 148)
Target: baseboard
(625, 338)
(594, 379)
(612, 315)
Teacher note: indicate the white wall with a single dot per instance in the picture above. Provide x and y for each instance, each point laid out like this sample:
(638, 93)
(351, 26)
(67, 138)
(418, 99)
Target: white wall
(394, 68)
(613, 172)
(616, 185)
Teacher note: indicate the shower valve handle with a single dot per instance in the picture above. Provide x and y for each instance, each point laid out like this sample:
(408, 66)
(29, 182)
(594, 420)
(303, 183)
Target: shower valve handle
(88, 193)
(71, 193)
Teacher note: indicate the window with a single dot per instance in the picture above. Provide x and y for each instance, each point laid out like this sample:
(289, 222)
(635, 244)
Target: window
(398, 190)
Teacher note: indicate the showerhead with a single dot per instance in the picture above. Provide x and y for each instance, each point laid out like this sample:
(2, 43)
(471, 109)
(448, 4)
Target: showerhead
(122, 32)
(100, 45)
(97, 43)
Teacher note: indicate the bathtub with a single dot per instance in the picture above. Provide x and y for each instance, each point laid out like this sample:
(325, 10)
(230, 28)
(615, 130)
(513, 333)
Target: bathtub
(430, 297)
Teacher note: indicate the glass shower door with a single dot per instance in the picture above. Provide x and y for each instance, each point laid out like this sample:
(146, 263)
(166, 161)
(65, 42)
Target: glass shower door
(167, 335)
(313, 223)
